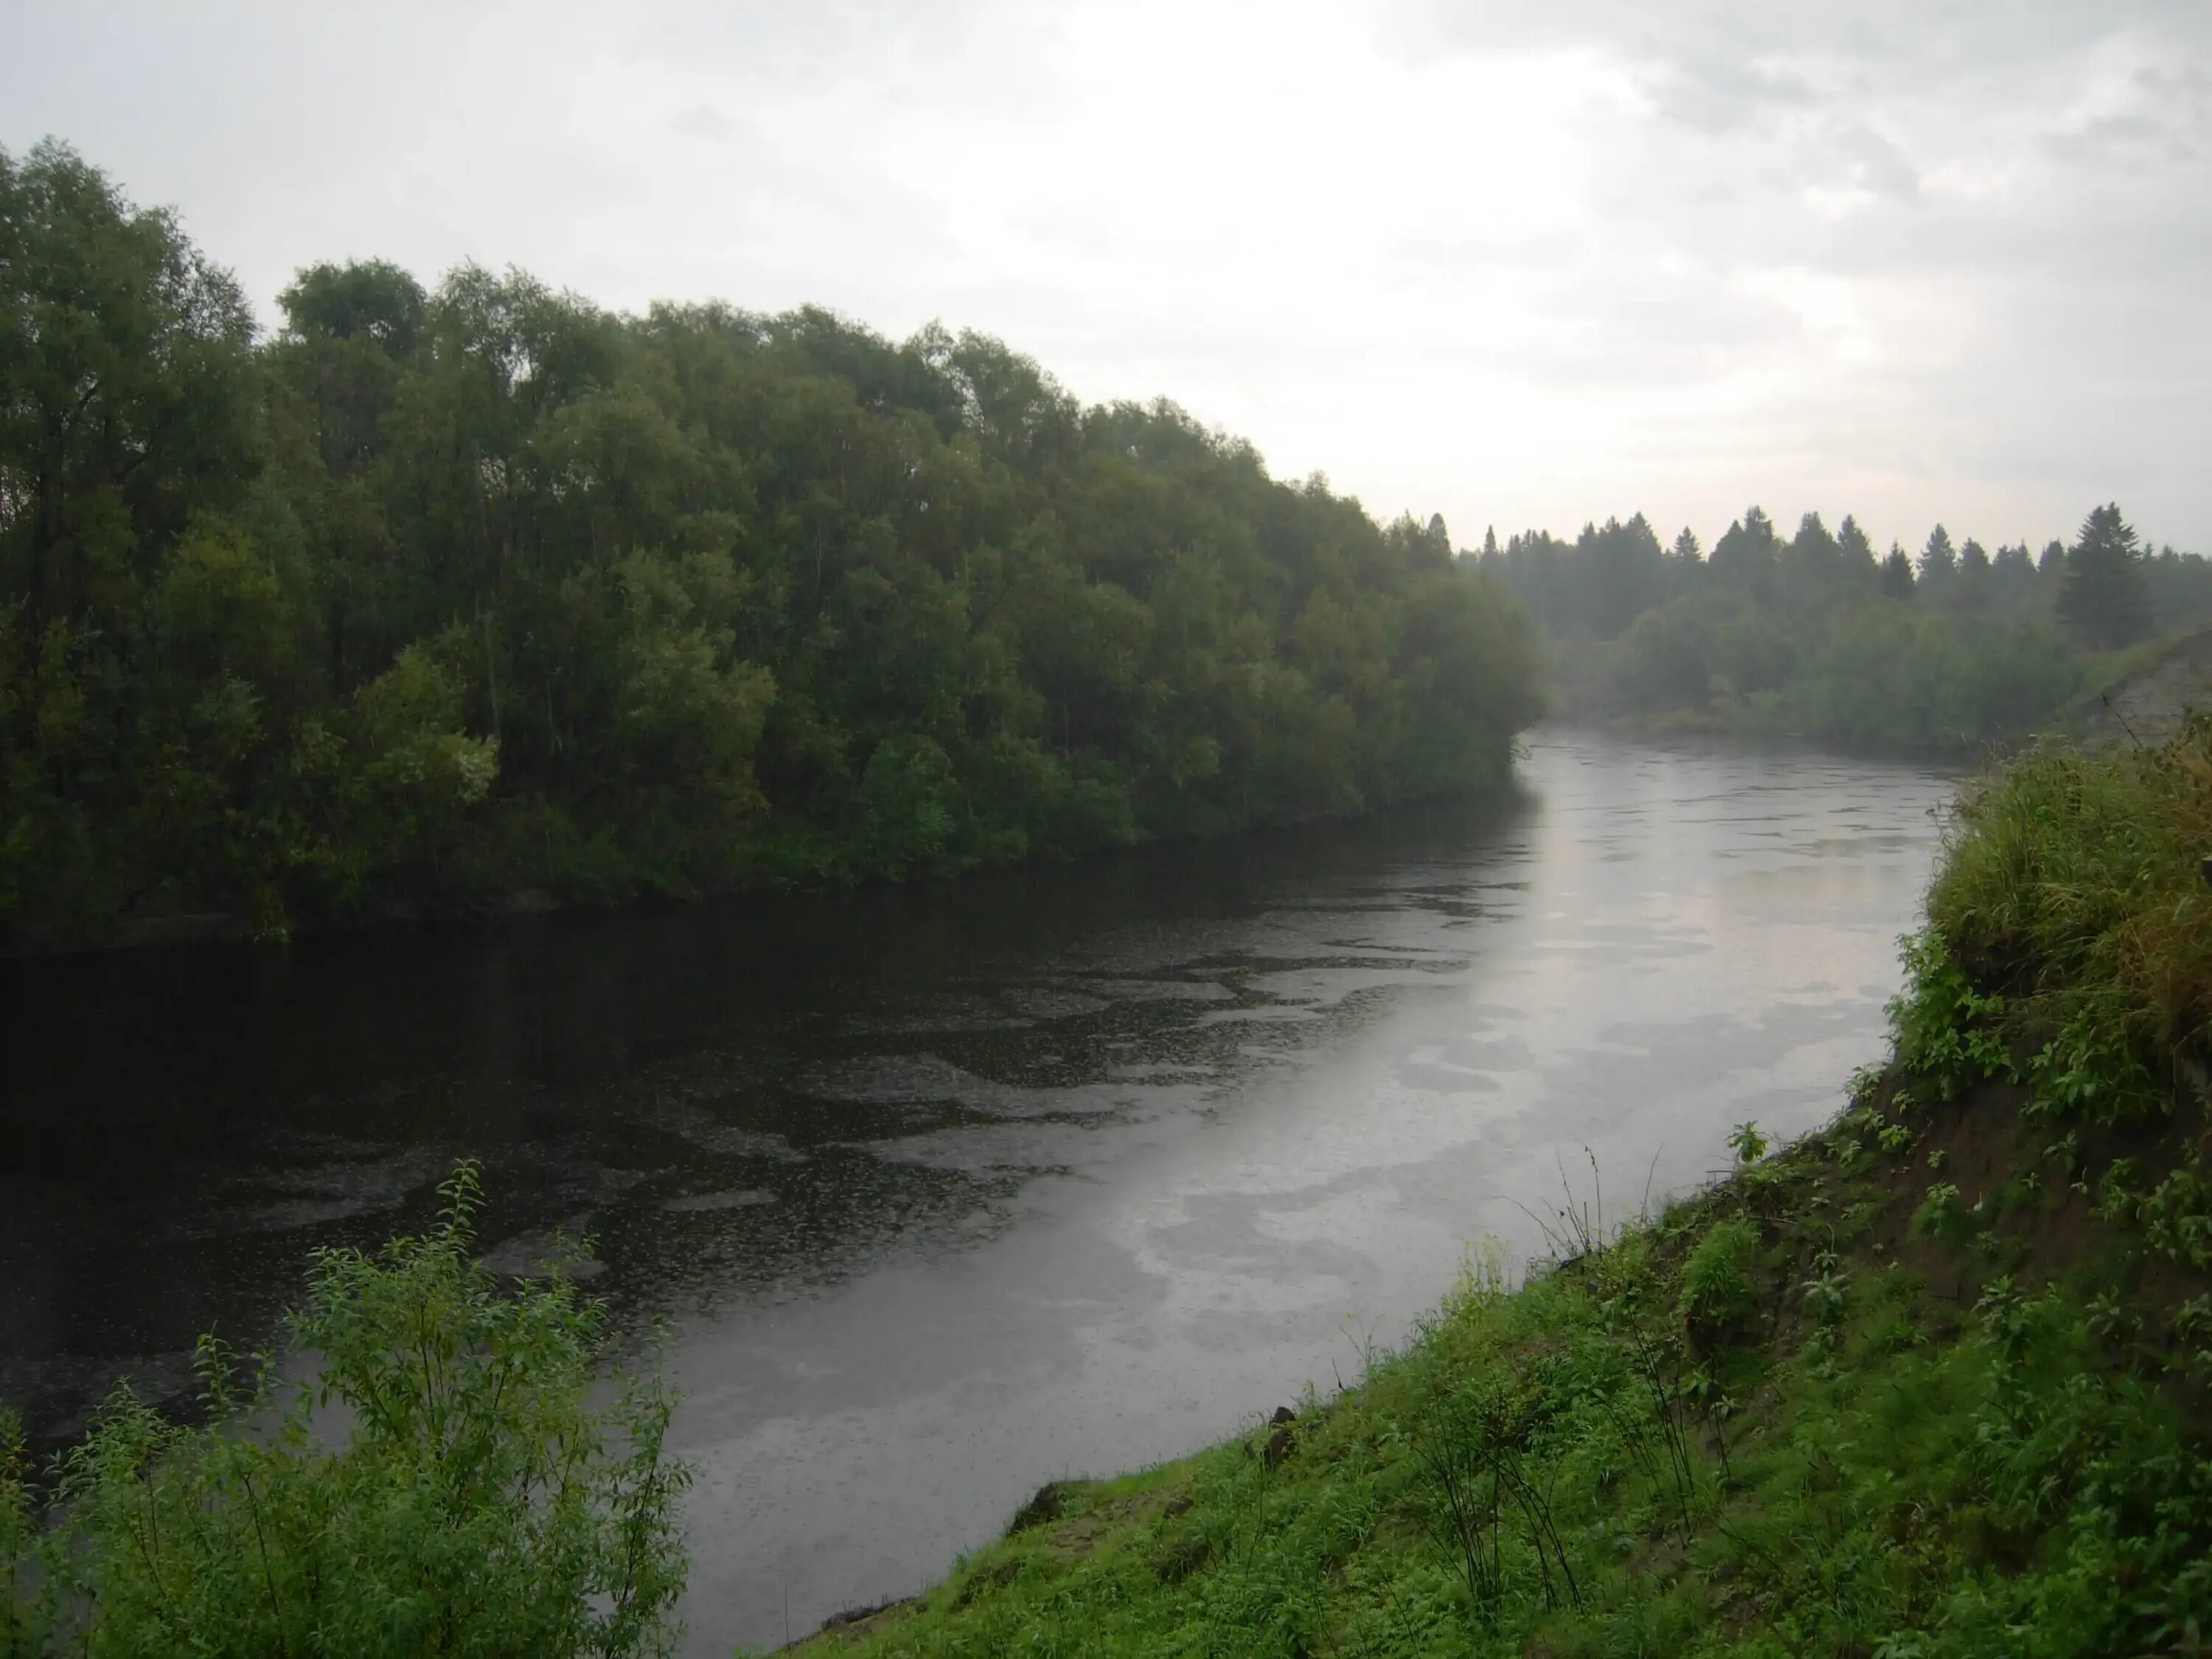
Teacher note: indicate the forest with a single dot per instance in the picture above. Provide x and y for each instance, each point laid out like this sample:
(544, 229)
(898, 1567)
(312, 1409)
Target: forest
(436, 595)
(1816, 635)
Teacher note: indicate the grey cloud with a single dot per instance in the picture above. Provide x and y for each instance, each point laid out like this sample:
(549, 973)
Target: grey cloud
(704, 122)
(2127, 142)
(1879, 165)
(1726, 93)
(1904, 39)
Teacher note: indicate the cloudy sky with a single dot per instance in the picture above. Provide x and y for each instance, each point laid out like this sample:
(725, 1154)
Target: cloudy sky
(1524, 263)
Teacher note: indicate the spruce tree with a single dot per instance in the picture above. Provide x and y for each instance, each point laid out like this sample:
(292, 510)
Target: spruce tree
(1746, 551)
(1939, 563)
(2103, 602)
(1856, 552)
(1971, 591)
(1897, 573)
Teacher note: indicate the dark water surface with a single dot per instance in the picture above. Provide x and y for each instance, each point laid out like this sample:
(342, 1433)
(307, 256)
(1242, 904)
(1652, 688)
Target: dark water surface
(946, 1192)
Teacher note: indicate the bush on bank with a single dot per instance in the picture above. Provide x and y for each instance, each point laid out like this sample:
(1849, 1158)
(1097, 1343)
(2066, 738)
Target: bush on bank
(467, 1499)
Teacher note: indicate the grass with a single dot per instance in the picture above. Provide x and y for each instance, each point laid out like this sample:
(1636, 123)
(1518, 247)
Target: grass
(1841, 1454)
(1936, 1381)
(2073, 890)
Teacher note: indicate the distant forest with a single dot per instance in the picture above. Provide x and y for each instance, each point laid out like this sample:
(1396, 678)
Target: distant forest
(1817, 635)
(442, 594)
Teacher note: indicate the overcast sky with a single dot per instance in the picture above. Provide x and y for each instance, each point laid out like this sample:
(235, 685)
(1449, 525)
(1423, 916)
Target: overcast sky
(1523, 264)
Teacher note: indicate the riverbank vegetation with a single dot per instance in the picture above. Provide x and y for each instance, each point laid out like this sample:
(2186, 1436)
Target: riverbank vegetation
(439, 593)
(1815, 635)
(449, 1480)
(1936, 1381)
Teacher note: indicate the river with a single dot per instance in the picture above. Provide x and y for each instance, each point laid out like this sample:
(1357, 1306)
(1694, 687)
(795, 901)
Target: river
(944, 1191)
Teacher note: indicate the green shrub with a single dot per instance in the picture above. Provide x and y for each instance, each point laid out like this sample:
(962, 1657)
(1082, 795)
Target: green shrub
(1718, 1273)
(441, 1484)
(2072, 883)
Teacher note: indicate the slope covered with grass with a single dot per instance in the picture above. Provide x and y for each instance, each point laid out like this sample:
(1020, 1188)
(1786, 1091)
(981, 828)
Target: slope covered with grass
(1937, 1381)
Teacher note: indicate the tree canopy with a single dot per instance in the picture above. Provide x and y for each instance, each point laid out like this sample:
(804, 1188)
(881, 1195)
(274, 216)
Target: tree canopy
(443, 591)
(1812, 636)
(2104, 600)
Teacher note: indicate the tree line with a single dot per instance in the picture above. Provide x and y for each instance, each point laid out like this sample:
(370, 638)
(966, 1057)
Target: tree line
(441, 591)
(1817, 633)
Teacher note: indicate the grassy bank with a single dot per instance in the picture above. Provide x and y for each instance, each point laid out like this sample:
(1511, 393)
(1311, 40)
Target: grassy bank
(1937, 1381)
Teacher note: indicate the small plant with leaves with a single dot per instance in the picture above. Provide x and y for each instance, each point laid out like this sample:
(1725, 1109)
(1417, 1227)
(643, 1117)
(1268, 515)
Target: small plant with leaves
(1827, 1290)
(1944, 1217)
(1946, 1030)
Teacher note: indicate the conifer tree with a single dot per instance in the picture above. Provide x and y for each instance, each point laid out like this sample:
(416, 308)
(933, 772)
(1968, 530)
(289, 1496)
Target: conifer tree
(2103, 601)
(1897, 573)
(1814, 547)
(1971, 592)
(1939, 563)
(1746, 550)
(1859, 560)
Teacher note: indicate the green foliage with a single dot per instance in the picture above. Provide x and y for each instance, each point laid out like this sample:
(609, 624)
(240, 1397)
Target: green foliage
(441, 1483)
(1812, 637)
(2073, 879)
(1748, 1142)
(2105, 601)
(1945, 1030)
(1943, 1216)
(1718, 1273)
(1857, 670)
(443, 591)
(2176, 1215)
(1827, 1293)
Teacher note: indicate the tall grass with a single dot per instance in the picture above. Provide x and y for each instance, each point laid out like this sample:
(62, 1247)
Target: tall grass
(2073, 893)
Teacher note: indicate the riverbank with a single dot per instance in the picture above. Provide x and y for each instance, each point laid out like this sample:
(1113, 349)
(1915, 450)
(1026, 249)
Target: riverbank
(1934, 1380)
(486, 905)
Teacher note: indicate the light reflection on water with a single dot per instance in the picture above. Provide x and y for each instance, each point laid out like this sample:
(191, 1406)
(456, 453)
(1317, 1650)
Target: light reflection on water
(946, 1192)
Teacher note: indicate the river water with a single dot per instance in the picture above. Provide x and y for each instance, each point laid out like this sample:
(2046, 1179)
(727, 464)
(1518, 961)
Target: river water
(946, 1191)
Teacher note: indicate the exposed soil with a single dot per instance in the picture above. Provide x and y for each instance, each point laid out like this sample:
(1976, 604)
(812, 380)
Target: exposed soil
(2147, 706)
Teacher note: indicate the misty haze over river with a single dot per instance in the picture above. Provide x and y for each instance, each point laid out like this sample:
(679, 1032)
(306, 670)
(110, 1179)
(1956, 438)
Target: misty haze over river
(946, 1191)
